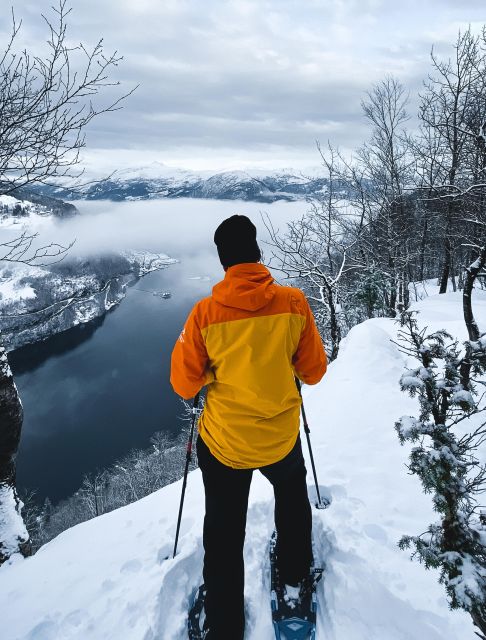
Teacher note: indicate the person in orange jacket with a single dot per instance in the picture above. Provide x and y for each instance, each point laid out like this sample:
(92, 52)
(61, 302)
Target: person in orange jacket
(246, 343)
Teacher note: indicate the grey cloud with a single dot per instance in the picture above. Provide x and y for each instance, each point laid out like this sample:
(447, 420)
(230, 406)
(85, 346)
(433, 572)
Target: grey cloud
(246, 74)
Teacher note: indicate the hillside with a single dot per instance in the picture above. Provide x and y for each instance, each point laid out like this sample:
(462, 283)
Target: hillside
(47, 296)
(29, 207)
(39, 302)
(108, 578)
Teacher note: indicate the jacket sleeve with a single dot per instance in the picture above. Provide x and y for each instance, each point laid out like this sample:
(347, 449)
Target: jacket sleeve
(309, 360)
(189, 370)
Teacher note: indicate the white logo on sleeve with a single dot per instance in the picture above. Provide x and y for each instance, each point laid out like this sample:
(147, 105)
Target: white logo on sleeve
(181, 337)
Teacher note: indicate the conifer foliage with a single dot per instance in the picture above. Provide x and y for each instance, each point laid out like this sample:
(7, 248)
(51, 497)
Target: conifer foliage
(448, 381)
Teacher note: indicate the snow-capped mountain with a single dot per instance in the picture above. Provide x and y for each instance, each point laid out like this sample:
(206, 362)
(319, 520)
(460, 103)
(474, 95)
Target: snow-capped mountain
(157, 180)
(113, 577)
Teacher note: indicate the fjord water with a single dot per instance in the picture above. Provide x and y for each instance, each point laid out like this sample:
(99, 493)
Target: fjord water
(98, 390)
(94, 392)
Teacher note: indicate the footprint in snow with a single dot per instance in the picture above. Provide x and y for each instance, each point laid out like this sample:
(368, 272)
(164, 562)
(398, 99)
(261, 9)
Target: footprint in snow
(325, 493)
(165, 552)
(108, 585)
(45, 630)
(375, 532)
(74, 619)
(132, 566)
(182, 575)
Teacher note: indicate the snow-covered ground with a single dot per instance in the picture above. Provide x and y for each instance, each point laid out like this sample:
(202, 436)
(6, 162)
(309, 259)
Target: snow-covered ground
(110, 578)
(20, 215)
(14, 286)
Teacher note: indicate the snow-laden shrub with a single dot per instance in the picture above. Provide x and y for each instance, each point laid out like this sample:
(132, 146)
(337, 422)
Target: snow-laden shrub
(446, 436)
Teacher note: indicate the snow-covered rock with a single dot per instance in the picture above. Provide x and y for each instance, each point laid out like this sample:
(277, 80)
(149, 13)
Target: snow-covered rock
(114, 577)
(13, 530)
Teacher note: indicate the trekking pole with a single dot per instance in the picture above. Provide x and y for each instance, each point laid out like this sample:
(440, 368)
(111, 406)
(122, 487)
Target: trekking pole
(188, 460)
(321, 503)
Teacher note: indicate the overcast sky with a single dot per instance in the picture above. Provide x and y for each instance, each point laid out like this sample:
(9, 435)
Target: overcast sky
(238, 83)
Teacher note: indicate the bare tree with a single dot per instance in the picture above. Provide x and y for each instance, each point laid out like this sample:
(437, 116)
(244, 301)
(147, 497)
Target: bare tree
(93, 494)
(46, 103)
(451, 146)
(388, 165)
(23, 250)
(315, 252)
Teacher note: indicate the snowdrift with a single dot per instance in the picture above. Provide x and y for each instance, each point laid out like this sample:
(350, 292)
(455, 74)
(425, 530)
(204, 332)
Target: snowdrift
(109, 578)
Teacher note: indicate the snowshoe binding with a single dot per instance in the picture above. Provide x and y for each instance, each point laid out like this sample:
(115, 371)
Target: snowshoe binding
(294, 609)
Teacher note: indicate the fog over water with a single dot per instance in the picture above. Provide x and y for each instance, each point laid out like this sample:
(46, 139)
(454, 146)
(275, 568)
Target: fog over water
(171, 226)
(94, 392)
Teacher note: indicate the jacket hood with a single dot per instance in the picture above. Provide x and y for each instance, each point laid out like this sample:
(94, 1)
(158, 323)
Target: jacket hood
(248, 286)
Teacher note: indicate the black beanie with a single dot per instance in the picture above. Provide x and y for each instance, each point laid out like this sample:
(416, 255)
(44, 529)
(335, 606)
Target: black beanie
(235, 239)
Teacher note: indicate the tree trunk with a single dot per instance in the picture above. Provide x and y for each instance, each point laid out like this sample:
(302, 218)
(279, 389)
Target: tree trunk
(406, 290)
(13, 533)
(423, 247)
(472, 328)
(471, 274)
(392, 310)
(400, 306)
(453, 272)
(446, 267)
(479, 620)
(335, 329)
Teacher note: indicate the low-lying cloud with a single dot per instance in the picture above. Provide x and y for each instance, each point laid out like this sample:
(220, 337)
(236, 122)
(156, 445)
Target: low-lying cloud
(181, 228)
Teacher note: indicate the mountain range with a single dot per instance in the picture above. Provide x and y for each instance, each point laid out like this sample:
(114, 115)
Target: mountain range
(157, 180)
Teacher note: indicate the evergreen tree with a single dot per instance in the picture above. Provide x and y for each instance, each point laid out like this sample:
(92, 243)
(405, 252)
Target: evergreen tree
(448, 382)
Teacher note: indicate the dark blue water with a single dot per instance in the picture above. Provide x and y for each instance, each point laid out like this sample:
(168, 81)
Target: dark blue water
(94, 392)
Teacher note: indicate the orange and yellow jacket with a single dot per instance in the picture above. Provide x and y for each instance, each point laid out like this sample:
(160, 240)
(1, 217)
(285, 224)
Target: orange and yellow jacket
(246, 342)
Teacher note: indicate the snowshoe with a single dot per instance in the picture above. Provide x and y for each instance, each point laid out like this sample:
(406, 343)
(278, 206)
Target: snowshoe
(196, 618)
(293, 609)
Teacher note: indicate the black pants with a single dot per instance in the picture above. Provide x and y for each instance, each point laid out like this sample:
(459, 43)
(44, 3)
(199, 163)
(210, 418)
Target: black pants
(226, 491)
